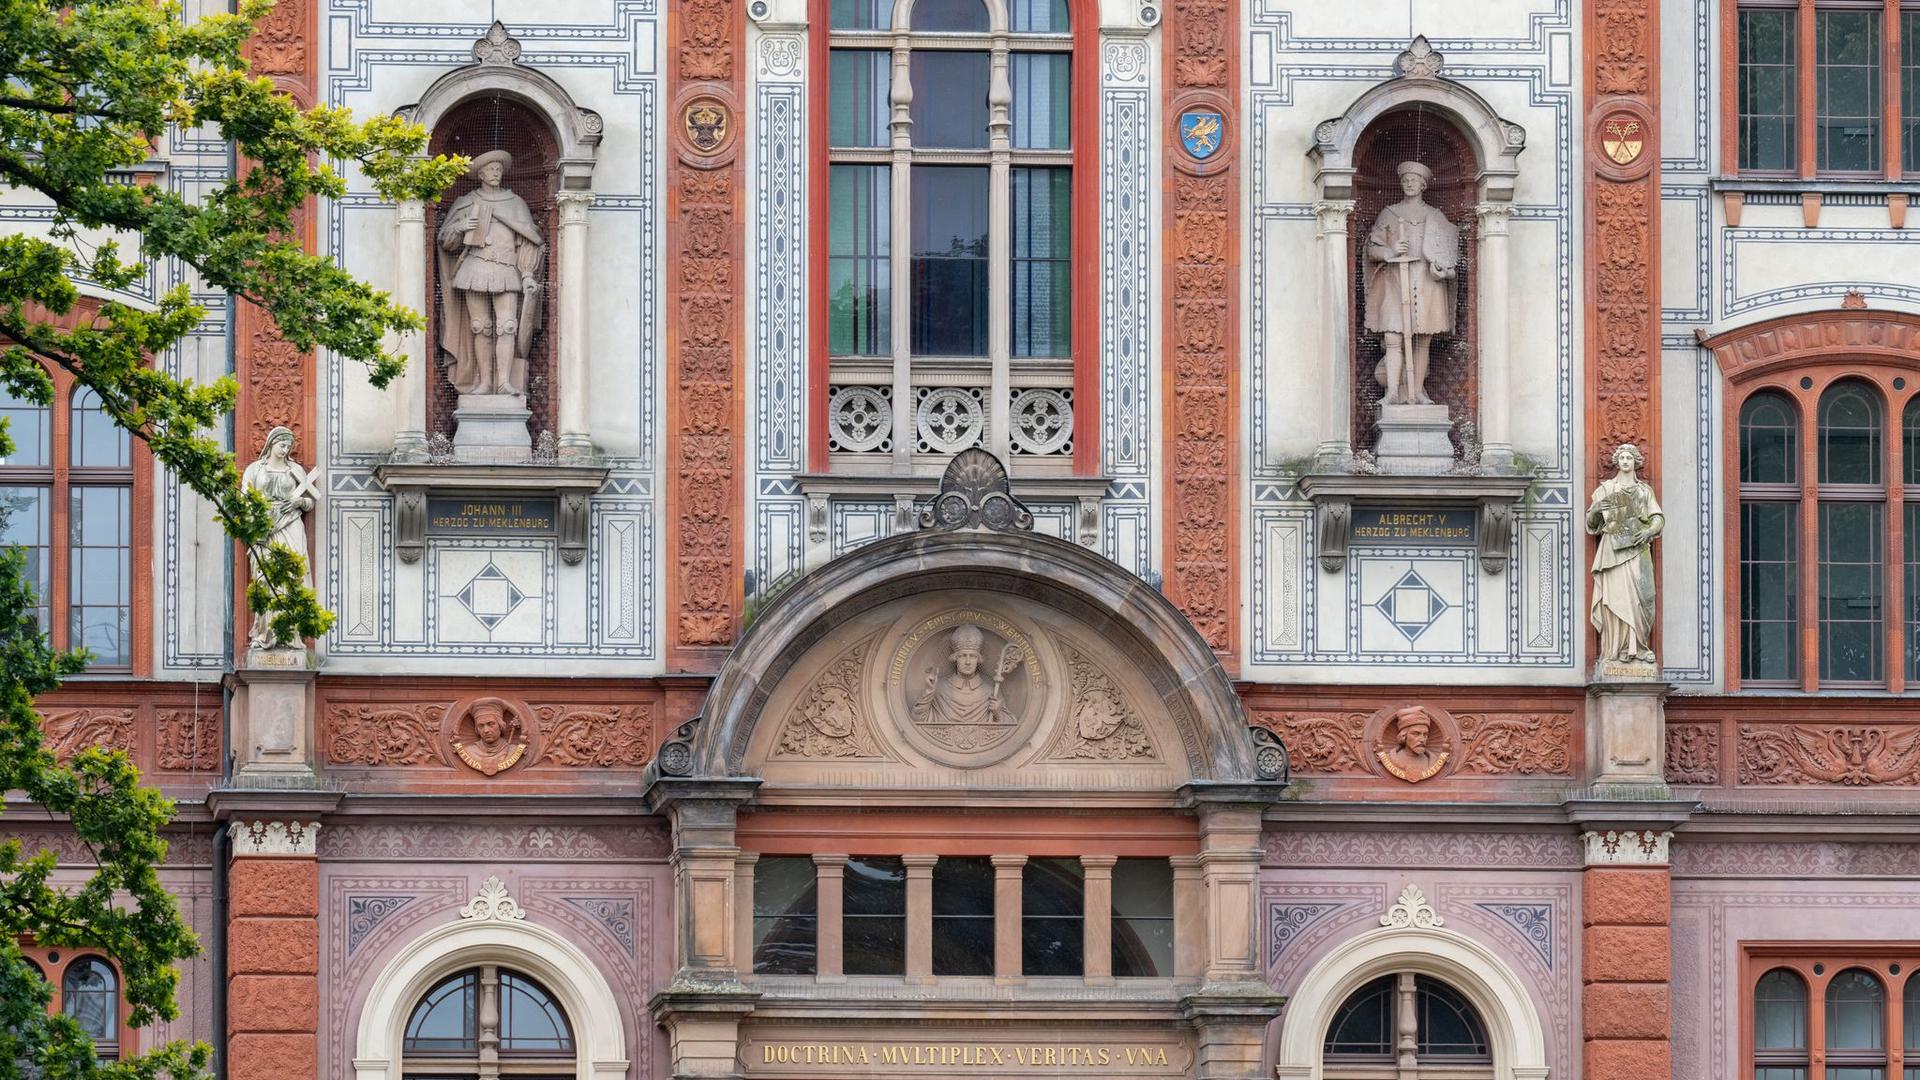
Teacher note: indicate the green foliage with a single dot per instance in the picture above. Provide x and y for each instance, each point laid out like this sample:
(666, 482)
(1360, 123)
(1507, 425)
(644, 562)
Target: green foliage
(88, 89)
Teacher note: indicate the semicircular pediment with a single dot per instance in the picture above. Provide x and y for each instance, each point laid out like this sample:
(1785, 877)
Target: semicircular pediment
(966, 688)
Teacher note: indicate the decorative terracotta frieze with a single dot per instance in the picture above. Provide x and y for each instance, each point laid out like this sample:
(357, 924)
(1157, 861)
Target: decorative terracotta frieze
(1201, 366)
(159, 727)
(487, 735)
(1363, 743)
(1852, 755)
(1693, 754)
(706, 268)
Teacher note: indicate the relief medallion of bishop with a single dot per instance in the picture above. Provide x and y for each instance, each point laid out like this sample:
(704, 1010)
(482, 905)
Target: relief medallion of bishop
(962, 703)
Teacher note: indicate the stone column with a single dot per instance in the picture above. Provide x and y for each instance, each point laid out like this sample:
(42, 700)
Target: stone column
(1007, 881)
(900, 325)
(919, 916)
(1496, 385)
(743, 865)
(1097, 906)
(1626, 962)
(1336, 332)
(273, 950)
(829, 904)
(410, 390)
(701, 1007)
(999, 256)
(571, 362)
(1189, 917)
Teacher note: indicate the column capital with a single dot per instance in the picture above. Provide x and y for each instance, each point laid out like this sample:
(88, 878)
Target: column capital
(296, 839)
(408, 211)
(1103, 863)
(573, 206)
(1332, 214)
(923, 863)
(1005, 863)
(824, 861)
(1493, 217)
(1627, 847)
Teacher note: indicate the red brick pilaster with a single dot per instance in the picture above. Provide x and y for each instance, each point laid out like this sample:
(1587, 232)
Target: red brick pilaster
(273, 951)
(1626, 957)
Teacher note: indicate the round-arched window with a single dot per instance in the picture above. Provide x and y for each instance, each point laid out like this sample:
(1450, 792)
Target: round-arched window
(488, 1020)
(1406, 1025)
(90, 993)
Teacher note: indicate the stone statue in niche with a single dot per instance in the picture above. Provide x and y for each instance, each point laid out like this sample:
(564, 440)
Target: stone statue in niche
(1413, 255)
(490, 252)
(1625, 516)
(965, 696)
(1409, 752)
(496, 740)
(290, 494)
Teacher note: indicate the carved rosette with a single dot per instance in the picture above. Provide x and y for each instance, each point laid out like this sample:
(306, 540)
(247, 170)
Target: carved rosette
(1101, 724)
(1201, 320)
(830, 721)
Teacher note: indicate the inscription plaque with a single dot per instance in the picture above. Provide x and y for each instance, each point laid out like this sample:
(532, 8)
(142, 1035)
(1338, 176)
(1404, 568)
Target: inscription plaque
(1396, 526)
(493, 517)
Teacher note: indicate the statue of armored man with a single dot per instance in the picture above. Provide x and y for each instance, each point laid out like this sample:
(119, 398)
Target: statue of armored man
(1413, 255)
(490, 252)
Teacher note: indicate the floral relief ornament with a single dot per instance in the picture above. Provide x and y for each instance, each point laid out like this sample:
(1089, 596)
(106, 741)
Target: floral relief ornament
(1412, 911)
(492, 904)
(1627, 847)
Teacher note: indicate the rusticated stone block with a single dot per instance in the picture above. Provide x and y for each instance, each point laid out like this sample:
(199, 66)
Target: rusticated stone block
(274, 1003)
(1637, 954)
(1628, 1059)
(1625, 896)
(1626, 1011)
(274, 887)
(273, 947)
(272, 1056)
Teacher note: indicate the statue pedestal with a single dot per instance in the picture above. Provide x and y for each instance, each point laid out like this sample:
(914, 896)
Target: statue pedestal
(272, 737)
(1626, 729)
(492, 428)
(1414, 439)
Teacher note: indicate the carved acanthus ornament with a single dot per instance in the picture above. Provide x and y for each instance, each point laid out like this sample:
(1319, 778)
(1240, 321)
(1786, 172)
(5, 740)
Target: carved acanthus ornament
(1523, 744)
(1101, 725)
(1693, 753)
(597, 736)
(492, 904)
(830, 721)
(189, 741)
(70, 731)
(369, 735)
(1855, 756)
(1320, 745)
(489, 735)
(1419, 742)
(1412, 911)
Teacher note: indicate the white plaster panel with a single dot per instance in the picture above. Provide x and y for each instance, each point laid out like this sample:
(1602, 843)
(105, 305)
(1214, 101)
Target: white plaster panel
(1280, 616)
(1412, 606)
(1542, 594)
(1290, 354)
(1361, 18)
(1538, 403)
(1689, 460)
(489, 596)
(363, 548)
(1684, 79)
(621, 594)
(1772, 267)
(1680, 265)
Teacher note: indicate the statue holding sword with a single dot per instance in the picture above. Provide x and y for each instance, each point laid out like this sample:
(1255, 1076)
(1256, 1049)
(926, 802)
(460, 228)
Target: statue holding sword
(1413, 256)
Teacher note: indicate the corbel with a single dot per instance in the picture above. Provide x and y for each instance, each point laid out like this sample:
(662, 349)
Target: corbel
(573, 526)
(410, 523)
(1496, 534)
(1089, 517)
(1334, 518)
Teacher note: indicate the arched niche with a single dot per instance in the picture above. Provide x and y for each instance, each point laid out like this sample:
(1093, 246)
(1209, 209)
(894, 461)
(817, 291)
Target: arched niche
(492, 929)
(1496, 993)
(1082, 625)
(496, 71)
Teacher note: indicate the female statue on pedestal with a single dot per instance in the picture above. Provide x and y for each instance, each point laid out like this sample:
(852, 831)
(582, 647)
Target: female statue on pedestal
(1624, 514)
(290, 493)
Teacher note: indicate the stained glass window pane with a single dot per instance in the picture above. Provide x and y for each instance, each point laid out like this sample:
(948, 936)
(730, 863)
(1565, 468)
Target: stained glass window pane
(1847, 100)
(949, 107)
(1042, 100)
(949, 260)
(858, 97)
(1768, 89)
(1042, 262)
(859, 267)
(100, 605)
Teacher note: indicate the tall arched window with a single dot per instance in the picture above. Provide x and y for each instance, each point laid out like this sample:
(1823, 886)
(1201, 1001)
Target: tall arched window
(1780, 1026)
(1405, 1027)
(1852, 531)
(90, 993)
(488, 1021)
(949, 284)
(1856, 1027)
(1769, 538)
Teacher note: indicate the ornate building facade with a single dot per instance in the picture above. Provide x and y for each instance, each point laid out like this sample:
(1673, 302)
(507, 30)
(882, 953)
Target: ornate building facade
(1052, 538)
